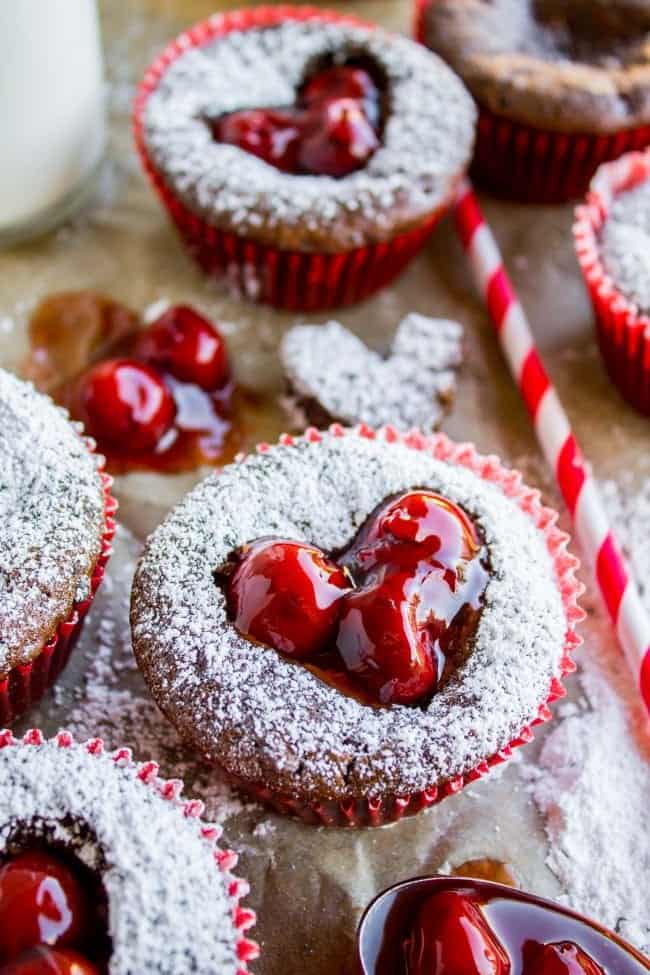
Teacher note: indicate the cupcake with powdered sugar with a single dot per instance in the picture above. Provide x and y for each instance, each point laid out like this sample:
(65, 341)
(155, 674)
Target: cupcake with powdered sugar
(302, 153)
(355, 624)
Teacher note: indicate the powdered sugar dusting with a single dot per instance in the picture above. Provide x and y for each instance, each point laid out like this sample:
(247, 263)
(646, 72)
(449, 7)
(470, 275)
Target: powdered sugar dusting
(354, 384)
(112, 701)
(626, 245)
(426, 143)
(51, 517)
(157, 869)
(593, 784)
(229, 698)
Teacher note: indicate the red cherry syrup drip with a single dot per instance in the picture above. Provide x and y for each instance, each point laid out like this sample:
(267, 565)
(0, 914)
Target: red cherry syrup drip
(386, 619)
(50, 917)
(458, 926)
(332, 130)
(159, 398)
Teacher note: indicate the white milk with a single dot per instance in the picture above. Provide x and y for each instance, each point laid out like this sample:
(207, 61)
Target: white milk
(51, 110)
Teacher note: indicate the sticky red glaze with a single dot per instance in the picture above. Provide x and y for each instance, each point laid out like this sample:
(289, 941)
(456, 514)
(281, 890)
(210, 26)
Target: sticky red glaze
(559, 958)
(41, 902)
(343, 81)
(331, 131)
(338, 139)
(126, 403)
(287, 595)
(383, 643)
(418, 584)
(186, 345)
(47, 961)
(270, 134)
(450, 936)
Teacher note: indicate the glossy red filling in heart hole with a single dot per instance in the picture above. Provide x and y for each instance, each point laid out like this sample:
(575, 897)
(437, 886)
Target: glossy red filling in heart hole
(332, 130)
(53, 916)
(385, 620)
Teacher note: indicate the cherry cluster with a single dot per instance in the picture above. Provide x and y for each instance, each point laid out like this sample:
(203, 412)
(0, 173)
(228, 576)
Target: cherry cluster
(45, 918)
(390, 610)
(132, 403)
(332, 130)
(450, 935)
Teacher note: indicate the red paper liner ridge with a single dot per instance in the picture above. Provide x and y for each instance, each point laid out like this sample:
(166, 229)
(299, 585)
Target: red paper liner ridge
(292, 280)
(171, 790)
(25, 684)
(357, 812)
(623, 330)
(518, 161)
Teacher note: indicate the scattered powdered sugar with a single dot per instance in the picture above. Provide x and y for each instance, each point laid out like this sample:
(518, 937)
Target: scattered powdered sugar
(426, 143)
(51, 517)
(230, 699)
(625, 245)
(410, 388)
(158, 871)
(593, 781)
(112, 701)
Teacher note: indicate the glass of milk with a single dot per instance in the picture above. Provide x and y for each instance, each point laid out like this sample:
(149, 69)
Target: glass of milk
(51, 112)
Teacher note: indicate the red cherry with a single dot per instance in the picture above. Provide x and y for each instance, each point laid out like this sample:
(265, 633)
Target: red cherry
(41, 902)
(268, 133)
(343, 81)
(338, 140)
(561, 958)
(287, 595)
(126, 403)
(188, 346)
(384, 645)
(450, 936)
(417, 526)
(45, 961)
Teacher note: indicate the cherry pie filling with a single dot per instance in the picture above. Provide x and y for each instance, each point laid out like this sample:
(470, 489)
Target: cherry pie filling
(387, 619)
(333, 128)
(458, 926)
(158, 398)
(53, 916)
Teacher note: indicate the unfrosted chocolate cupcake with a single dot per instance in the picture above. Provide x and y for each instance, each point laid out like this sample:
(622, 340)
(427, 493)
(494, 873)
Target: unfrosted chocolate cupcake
(562, 85)
(55, 531)
(304, 154)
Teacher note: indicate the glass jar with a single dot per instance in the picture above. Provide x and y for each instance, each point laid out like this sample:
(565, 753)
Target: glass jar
(51, 112)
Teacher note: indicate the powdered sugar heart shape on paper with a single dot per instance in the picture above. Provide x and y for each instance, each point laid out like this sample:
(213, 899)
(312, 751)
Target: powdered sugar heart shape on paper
(333, 375)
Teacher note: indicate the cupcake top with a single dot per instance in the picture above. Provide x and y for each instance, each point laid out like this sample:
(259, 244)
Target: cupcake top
(228, 696)
(426, 138)
(330, 370)
(567, 65)
(52, 515)
(625, 245)
(169, 908)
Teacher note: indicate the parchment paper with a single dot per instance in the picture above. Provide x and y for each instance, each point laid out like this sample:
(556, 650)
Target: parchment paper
(310, 885)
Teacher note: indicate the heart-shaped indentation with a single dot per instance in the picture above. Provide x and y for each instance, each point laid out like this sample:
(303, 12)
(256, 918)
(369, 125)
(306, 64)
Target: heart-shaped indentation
(331, 130)
(392, 612)
(333, 375)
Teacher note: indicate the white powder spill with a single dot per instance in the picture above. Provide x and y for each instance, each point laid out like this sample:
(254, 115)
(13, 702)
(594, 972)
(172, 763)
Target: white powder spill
(593, 783)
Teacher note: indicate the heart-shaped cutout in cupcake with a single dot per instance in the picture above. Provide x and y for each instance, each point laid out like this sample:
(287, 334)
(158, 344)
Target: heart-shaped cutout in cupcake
(333, 375)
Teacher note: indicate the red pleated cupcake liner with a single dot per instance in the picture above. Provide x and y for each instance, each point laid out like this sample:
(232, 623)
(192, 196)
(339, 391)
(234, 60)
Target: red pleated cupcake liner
(291, 280)
(170, 790)
(25, 684)
(518, 161)
(380, 811)
(623, 331)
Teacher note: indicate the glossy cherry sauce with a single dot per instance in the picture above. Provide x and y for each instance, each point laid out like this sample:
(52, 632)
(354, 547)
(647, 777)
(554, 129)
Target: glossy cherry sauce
(521, 926)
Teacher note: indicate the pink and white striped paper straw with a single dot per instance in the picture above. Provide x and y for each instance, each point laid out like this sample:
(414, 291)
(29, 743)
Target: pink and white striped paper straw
(556, 438)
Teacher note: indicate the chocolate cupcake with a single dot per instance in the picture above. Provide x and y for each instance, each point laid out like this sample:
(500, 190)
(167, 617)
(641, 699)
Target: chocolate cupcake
(304, 155)
(562, 86)
(355, 625)
(105, 868)
(56, 526)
